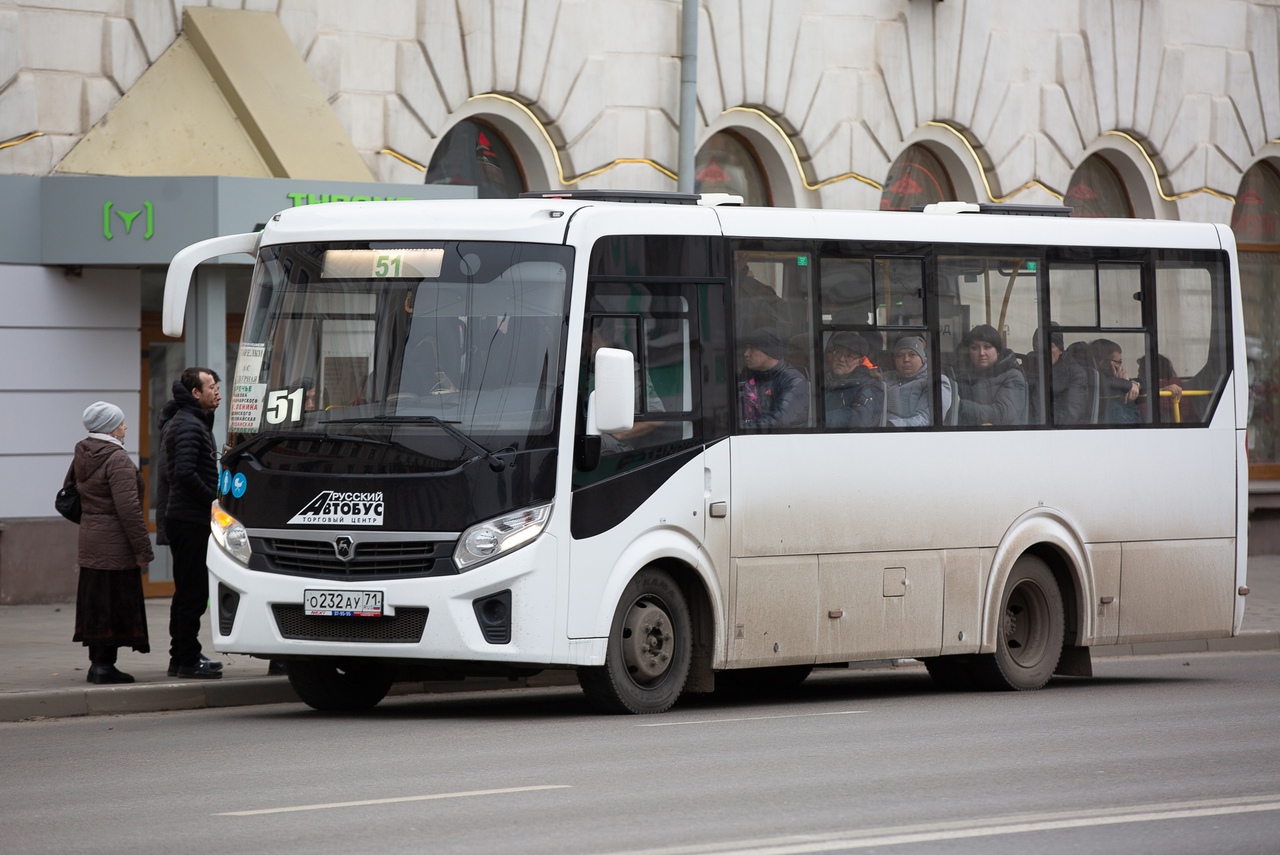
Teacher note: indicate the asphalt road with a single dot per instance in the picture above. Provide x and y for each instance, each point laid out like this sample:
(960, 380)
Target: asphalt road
(1158, 754)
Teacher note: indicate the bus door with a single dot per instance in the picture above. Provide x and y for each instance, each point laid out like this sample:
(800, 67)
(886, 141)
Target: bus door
(647, 493)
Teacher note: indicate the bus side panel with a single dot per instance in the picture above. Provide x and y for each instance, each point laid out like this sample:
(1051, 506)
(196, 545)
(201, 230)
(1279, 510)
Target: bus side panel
(1177, 589)
(668, 523)
(775, 621)
(880, 605)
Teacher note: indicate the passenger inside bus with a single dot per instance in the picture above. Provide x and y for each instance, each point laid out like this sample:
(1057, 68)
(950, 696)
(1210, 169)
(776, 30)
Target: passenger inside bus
(907, 394)
(992, 388)
(774, 394)
(853, 388)
(1118, 395)
(1069, 380)
(1174, 407)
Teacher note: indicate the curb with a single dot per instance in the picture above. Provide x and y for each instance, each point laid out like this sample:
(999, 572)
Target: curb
(254, 691)
(250, 691)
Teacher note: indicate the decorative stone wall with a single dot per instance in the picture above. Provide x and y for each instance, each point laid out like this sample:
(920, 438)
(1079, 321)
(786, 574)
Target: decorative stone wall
(1014, 95)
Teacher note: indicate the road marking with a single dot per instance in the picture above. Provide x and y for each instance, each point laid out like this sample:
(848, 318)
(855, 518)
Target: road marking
(746, 718)
(367, 802)
(802, 844)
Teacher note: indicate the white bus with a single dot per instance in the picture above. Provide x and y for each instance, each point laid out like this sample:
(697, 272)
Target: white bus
(614, 432)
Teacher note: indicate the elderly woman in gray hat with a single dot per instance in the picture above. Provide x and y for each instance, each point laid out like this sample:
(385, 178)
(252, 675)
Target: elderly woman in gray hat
(909, 401)
(113, 546)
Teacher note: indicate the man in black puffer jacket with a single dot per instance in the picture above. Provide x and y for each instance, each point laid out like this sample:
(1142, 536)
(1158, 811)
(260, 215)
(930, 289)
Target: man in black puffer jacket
(188, 486)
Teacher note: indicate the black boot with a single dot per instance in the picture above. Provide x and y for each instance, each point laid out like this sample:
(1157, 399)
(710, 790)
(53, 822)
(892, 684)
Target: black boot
(101, 674)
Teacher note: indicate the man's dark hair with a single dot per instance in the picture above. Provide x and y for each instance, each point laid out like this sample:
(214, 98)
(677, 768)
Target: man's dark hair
(191, 378)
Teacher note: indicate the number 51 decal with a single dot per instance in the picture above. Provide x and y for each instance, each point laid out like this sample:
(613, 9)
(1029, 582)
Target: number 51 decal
(284, 405)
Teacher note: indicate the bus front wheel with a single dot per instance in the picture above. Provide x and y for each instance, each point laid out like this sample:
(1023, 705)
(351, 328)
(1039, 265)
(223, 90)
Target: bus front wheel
(1030, 635)
(648, 656)
(340, 685)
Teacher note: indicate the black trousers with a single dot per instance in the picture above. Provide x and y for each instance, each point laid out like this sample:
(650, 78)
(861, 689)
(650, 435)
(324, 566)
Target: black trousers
(103, 655)
(188, 542)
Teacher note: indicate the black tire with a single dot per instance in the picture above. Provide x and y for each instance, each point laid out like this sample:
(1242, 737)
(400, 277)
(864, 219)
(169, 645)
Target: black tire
(1030, 635)
(648, 657)
(761, 682)
(340, 685)
(951, 673)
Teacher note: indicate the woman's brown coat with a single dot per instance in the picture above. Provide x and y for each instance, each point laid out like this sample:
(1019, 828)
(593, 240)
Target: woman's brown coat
(113, 531)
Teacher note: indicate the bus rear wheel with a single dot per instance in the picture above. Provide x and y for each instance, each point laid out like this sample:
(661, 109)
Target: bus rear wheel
(340, 685)
(1030, 635)
(648, 656)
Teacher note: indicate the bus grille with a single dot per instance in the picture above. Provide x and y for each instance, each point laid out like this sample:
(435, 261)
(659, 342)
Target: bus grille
(370, 559)
(404, 628)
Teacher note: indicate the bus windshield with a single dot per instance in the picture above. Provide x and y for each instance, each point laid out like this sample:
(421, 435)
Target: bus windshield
(442, 347)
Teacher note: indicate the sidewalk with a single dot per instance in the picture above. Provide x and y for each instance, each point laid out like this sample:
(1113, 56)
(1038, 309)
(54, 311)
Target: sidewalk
(42, 672)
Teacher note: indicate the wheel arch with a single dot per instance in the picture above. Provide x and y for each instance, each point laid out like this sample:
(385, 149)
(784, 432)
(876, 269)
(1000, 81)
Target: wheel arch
(1051, 536)
(691, 569)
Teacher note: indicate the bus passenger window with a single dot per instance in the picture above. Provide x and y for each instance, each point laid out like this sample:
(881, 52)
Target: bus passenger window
(1193, 355)
(989, 310)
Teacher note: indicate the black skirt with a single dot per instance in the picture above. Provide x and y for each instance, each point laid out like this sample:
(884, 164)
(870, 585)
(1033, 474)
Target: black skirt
(110, 609)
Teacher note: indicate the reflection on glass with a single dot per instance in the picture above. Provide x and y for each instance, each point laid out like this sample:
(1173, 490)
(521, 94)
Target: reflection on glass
(1096, 190)
(726, 164)
(476, 155)
(477, 346)
(917, 177)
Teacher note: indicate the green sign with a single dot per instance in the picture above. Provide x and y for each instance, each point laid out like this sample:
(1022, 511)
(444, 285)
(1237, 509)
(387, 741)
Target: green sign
(127, 217)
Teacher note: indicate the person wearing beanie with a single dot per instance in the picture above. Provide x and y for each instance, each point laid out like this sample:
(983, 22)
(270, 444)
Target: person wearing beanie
(1068, 379)
(908, 394)
(774, 393)
(853, 388)
(188, 485)
(991, 386)
(113, 545)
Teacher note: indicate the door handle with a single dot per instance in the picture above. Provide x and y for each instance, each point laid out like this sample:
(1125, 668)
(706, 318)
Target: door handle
(719, 509)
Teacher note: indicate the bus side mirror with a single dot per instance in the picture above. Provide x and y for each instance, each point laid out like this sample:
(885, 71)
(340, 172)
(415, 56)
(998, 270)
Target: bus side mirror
(178, 279)
(613, 402)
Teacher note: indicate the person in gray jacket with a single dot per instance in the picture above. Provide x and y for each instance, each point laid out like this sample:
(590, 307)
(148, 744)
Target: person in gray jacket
(909, 401)
(993, 390)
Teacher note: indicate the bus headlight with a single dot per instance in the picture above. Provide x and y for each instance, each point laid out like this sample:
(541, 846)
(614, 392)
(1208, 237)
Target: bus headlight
(489, 539)
(230, 535)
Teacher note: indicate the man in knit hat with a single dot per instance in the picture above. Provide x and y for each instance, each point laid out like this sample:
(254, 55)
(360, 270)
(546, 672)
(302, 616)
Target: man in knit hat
(992, 389)
(188, 486)
(774, 394)
(853, 391)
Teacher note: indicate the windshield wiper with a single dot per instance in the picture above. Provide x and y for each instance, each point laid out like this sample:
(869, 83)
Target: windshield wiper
(263, 443)
(496, 463)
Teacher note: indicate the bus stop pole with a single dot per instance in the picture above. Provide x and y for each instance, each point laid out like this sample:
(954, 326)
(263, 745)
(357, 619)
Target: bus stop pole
(688, 94)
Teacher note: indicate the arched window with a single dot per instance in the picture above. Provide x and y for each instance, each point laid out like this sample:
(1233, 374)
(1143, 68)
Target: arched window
(727, 164)
(917, 177)
(1256, 223)
(1097, 190)
(474, 154)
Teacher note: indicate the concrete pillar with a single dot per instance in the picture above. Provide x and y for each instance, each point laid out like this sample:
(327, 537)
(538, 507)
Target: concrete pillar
(207, 335)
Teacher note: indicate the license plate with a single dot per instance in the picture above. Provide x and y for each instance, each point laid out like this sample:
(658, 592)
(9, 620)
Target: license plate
(320, 603)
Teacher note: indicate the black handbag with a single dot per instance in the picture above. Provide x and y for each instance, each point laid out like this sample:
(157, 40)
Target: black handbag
(68, 499)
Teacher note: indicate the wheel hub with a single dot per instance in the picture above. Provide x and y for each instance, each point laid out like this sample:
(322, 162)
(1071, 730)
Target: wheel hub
(647, 640)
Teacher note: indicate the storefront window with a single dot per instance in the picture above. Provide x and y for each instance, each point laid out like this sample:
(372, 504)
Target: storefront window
(475, 155)
(1096, 190)
(917, 177)
(1254, 221)
(726, 164)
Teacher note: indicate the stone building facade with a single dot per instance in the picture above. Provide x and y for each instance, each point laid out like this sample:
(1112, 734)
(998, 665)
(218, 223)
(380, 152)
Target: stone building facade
(1147, 108)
